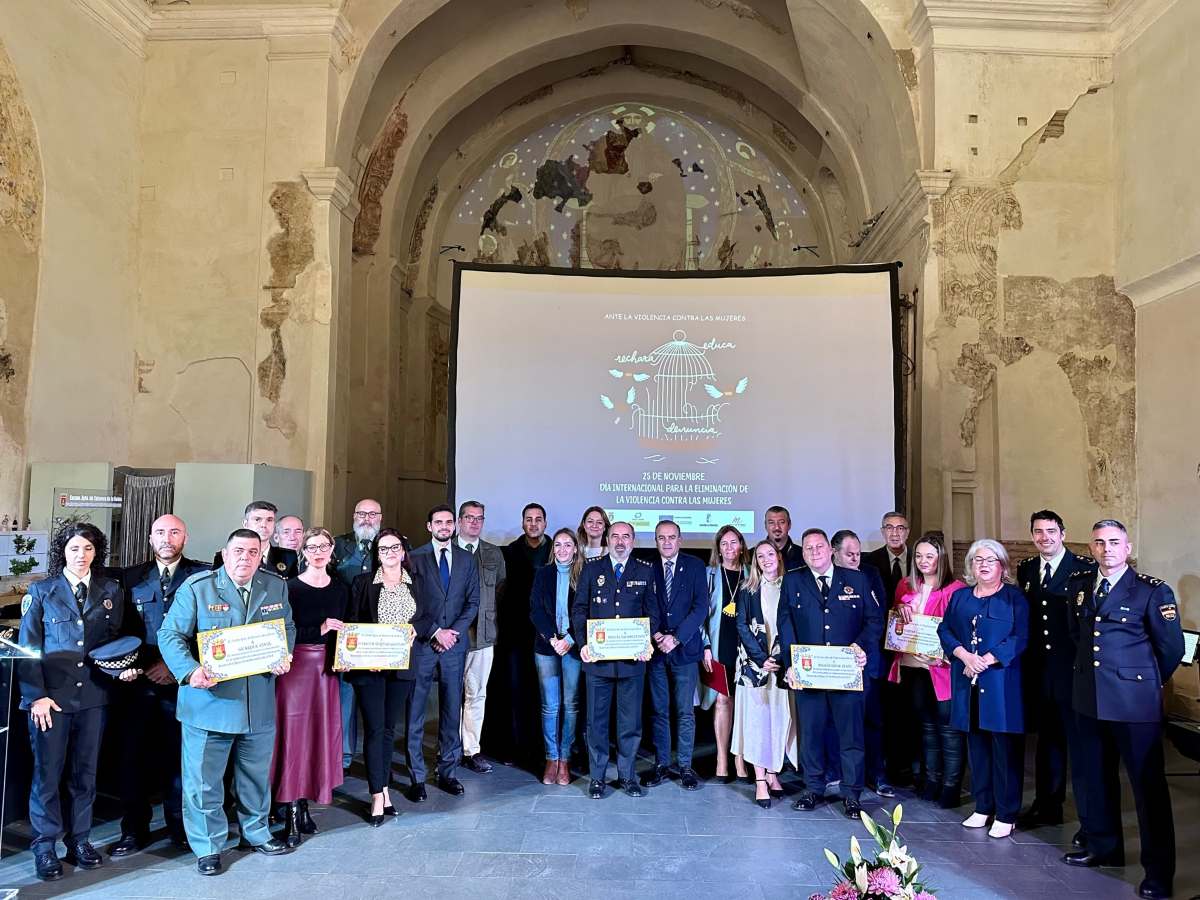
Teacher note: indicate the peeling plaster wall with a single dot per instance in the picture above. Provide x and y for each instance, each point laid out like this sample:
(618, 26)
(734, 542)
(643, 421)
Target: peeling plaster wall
(82, 90)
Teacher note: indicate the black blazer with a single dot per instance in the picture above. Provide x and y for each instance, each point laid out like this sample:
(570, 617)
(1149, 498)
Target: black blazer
(455, 608)
(752, 630)
(542, 602)
(881, 559)
(364, 607)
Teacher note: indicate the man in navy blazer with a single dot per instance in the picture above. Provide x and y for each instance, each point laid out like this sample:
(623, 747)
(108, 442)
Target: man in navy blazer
(447, 587)
(682, 588)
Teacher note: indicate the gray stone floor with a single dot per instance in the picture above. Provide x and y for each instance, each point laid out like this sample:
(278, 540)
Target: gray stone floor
(512, 837)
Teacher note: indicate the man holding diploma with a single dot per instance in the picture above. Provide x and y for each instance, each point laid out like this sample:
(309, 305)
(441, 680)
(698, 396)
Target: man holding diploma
(228, 717)
(826, 605)
(615, 586)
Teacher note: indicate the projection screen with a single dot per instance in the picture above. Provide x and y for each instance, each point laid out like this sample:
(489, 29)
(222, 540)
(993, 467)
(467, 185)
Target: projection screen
(702, 398)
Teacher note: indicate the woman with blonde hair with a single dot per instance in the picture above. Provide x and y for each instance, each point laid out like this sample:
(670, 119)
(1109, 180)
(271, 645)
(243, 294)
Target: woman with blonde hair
(764, 724)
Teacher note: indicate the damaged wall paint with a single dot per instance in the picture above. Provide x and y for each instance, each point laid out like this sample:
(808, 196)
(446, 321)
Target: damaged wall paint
(376, 174)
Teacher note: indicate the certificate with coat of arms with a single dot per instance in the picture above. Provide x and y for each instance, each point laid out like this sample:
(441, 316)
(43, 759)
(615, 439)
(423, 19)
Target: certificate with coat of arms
(362, 645)
(610, 640)
(242, 650)
(918, 636)
(822, 668)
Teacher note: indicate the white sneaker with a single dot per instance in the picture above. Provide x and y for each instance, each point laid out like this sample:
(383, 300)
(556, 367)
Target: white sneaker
(975, 820)
(1000, 829)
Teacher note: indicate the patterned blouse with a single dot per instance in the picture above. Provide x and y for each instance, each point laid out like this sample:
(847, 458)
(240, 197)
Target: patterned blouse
(397, 605)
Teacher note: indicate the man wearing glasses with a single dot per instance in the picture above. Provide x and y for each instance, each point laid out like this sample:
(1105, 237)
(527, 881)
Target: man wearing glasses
(482, 631)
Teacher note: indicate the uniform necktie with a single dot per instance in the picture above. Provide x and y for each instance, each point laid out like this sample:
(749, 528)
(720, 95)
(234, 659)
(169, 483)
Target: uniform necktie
(470, 548)
(80, 593)
(1046, 576)
(244, 593)
(1103, 591)
(164, 580)
(824, 579)
(896, 569)
(670, 576)
(618, 569)
(444, 571)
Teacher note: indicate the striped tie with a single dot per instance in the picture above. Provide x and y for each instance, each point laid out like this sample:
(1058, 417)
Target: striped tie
(670, 576)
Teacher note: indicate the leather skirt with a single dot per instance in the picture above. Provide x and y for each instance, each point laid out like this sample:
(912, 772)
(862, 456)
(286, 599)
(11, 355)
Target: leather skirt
(307, 763)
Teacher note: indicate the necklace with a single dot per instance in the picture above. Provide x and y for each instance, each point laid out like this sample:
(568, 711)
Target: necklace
(730, 591)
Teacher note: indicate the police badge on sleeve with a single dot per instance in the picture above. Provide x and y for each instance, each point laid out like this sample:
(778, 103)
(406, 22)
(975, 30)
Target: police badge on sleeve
(26, 602)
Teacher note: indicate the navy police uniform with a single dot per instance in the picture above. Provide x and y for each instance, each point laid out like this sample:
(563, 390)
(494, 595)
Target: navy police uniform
(847, 612)
(605, 593)
(1047, 665)
(147, 731)
(64, 629)
(1129, 641)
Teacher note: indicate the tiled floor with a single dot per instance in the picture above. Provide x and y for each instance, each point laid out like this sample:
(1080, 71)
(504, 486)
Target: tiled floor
(512, 837)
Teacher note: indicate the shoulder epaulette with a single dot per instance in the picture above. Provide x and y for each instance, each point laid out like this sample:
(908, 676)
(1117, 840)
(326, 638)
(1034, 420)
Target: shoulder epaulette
(1149, 579)
(642, 562)
(1027, 559)
(1083, 573)
(206, 573)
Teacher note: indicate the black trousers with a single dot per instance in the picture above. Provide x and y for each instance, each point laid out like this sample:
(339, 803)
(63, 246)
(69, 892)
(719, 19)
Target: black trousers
(899, 748)
(71, 745)
(383, 701)
(448, 667)
(602, 690)
(1139, 746)
(814, 709)
(150, 741)
(1057, 742)
(942, 748)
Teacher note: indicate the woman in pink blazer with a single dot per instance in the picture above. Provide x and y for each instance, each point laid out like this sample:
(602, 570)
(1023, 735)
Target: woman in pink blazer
(927, 592)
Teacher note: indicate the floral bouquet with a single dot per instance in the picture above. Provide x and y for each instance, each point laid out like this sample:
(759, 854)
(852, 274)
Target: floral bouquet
(892, 875)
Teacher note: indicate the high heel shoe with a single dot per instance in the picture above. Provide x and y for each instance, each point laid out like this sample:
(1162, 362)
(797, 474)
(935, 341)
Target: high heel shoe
(390, 811)
(765, 804)
(291, 826)
(307, 825)
(777, 793)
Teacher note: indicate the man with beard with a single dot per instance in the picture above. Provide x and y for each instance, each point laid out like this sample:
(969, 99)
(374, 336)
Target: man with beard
(513, 731)
(778, 522)
(146, 727)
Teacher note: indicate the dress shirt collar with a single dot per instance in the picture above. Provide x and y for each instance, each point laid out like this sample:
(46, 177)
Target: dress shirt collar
(1055, 561)
(619, 562)
(1113, 578)
(72, 580)
(828, 573)
(462, 542)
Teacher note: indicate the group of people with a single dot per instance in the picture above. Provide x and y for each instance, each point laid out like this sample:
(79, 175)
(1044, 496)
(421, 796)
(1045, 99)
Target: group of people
(1073, 649)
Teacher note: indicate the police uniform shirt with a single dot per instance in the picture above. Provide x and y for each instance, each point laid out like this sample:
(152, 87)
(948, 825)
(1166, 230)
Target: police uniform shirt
(1111, 579)
(74, 581)
(1054, 562)
(827, 575)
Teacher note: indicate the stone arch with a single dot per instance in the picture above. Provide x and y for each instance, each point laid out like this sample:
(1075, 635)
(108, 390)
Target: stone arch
(21, 210)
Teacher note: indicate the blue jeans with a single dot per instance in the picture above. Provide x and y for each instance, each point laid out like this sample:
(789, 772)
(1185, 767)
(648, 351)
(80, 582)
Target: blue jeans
(558, 677)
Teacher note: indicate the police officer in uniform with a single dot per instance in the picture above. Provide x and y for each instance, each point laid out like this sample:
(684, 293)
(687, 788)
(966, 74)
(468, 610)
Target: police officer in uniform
(613, 587)
(63, 617)
(1048, 663)
(1129, 642)
(230, 718)
(144, 711)
(826, 604)
(259, 517)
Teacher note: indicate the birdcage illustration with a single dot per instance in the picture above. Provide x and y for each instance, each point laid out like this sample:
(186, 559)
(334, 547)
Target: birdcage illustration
(675, 407)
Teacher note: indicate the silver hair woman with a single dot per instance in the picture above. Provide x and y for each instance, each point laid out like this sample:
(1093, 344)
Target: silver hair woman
(987, 546)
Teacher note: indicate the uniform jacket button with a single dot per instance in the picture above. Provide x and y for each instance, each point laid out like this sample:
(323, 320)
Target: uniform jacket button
(79, 684)
(1095, 634)
(826, 627)
(1046, 631)
(1096, 663)
(79, 643)
(1045, 618)
(79, 621)
(1096, 649)
(1139, 678)
(1048, 647)
(79, 665)
(1097, 618)
(983, 690)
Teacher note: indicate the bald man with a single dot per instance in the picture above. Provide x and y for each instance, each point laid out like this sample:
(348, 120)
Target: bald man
(144, 710)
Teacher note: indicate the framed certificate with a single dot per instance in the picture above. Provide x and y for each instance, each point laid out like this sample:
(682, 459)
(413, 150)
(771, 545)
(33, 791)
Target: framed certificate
(362, 645)
(242, 650)
(610, 640)
(918, 636)
(824, 668)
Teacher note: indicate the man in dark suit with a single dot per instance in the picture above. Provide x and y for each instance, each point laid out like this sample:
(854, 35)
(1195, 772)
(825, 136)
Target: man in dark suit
(681, 587)
(826, 604)
(613, 587)
(1128, 642)
(260, 517)
(778, 522)
(893, 562)
(144, 710)
(447, 586)
(1048, 664)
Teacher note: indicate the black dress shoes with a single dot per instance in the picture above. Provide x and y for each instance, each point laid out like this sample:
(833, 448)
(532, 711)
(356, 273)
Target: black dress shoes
(477, 764)
(84, 856)
(390, 811)
(631, 788)
(209, 865)
(1040, 815)
(850, 808)
(375, 820)
(654, 776)
(1153, 890)
(451, 786)
(1079, 839)
(596, 789)
(688, 779)
(128, 845)
(416, 793)
(806, 802)
(47, 866)
(1086, 859)
(273, 847)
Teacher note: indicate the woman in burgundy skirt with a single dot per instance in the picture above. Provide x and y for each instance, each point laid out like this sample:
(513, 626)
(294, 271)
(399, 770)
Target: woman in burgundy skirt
(307, 764)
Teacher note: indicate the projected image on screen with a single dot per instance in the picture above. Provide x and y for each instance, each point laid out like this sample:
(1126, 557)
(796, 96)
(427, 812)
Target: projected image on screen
(703, 400)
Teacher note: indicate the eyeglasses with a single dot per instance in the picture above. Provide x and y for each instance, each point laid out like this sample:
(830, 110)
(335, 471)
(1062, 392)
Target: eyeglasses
(360, 514)
(472, 518)
(985, 561)
(895, 528)
(318, 548)
(390, 549)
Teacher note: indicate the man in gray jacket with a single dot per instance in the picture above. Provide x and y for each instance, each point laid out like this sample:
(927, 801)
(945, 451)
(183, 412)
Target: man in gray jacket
(483, 631)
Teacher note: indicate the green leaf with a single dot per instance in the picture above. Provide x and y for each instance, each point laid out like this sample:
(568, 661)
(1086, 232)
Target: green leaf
(833, 858)
(897, 814)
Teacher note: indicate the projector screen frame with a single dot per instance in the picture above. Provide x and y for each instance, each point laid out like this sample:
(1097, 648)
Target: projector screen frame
(892, 268)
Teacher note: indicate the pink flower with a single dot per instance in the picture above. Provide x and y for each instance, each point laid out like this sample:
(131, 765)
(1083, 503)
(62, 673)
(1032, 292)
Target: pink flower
(883, 881)
(844, 890)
